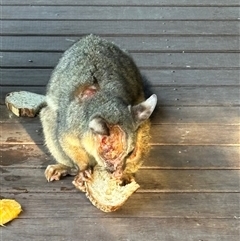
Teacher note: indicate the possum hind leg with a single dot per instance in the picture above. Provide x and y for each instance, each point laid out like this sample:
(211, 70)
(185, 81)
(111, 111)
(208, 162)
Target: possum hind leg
(65, 165)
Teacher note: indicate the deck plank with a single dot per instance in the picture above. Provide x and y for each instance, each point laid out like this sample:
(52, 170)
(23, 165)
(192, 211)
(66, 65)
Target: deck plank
(162, 77)
(119, 12)
(105, 229)
(139, 205)
(160, 157)
(143, 60)
(123, 2)
(119, 28)
(151, 181)
(188, 50)
(163, 134)
(132, 44)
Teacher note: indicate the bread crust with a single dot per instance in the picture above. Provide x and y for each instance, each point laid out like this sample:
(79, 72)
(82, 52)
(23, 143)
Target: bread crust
(105, 192)
(24, 103)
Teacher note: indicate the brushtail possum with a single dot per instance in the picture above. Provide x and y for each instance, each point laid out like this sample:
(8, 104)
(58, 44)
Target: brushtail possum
(96, 112)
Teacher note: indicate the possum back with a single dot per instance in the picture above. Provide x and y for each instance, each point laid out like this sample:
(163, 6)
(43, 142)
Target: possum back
(94, 65)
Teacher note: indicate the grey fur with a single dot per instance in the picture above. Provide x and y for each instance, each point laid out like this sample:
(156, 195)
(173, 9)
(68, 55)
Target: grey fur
(91, 61)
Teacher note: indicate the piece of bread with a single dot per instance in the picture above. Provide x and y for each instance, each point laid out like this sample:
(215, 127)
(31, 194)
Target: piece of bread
(24, 103)
(105, 192)
(9, 209)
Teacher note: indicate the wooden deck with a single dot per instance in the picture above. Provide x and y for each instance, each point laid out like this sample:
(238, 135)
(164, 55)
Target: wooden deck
(190, 185)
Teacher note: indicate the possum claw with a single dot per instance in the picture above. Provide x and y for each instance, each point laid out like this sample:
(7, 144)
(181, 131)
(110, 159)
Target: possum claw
(55, 172)
(81, 178)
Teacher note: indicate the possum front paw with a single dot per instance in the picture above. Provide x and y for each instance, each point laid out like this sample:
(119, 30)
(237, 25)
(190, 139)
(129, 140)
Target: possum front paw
(81, 178)
(55, 172)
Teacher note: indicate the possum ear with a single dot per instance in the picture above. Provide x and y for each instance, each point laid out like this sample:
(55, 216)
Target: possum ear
(142, 111)
(99, 126)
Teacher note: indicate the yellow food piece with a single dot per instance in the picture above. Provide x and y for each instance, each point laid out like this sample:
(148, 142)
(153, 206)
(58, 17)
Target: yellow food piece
(9, 209)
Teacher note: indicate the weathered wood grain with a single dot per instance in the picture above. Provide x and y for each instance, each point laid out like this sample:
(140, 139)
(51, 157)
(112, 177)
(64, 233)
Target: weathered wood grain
(163, 134)
(191, 77)
(23, 77)
(186, 60)
(196, 114)
(106, 229)
(150, 181)
(193, 157)
(188, 180)
(24, 133)
(168, 96)
(124, 2)
(143, 60)
(175, 78)
(119, 12)
(119, 28)
(195, 134)
(141, 205)
(132, 44)
(160, 157)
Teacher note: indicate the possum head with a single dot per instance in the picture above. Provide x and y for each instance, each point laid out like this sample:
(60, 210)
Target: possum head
(115, 140)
